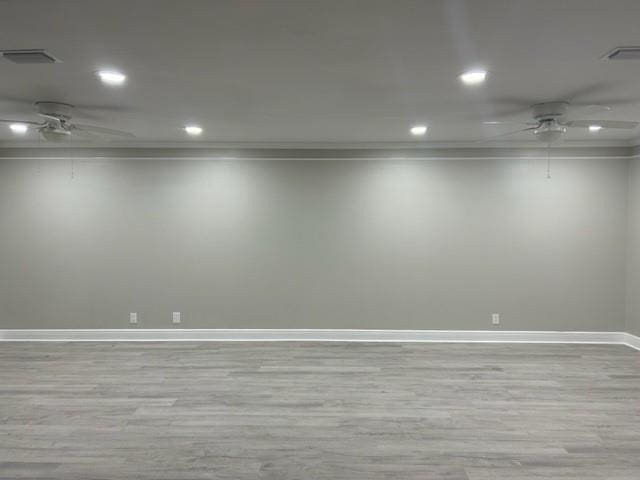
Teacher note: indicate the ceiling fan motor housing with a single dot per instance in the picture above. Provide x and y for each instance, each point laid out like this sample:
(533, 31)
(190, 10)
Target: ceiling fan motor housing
(550, 110)
(61, 111)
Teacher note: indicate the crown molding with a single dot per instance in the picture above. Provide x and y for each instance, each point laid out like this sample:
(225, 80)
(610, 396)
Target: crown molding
(342, 153)
(416, 144)
(631, 340)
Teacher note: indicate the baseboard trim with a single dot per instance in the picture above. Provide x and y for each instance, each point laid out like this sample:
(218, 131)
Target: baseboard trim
(631, 341)
(318, 335)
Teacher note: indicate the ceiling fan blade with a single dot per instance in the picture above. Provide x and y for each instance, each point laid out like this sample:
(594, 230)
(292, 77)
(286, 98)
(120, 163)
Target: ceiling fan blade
(97, 112)
(586, 110)
(494, 137)
(587, 91)
(21, 121)
(495, 122)
(103, 107)
(607, 103)
(15, 100)
(88, 135)
(101, 130)
(512, 101)
(602, 123)
(514, 115)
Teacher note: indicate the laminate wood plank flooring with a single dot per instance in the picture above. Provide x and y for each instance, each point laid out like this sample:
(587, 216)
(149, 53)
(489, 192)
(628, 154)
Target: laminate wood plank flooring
(313, 410)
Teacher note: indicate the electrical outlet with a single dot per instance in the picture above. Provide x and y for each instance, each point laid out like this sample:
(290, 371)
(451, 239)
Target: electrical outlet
(495, 319)
(133, 318)
(176, 317)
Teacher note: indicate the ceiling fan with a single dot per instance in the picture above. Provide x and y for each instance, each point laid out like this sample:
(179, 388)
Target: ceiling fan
(56, 124)
(551, 121)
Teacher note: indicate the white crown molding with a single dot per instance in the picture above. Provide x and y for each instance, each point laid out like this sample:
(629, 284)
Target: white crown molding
(326, 154)
(11, 143)
(632, 341)
(319, 335)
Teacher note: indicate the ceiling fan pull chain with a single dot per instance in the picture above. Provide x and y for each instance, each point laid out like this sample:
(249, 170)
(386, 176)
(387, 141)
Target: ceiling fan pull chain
(73, 173)
(549, 160)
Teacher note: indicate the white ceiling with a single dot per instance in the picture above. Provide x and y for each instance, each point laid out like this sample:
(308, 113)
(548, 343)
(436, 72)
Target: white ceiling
(319, 71)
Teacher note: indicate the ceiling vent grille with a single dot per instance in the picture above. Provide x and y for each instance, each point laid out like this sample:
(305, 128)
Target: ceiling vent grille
(624, 53)
(28, 56)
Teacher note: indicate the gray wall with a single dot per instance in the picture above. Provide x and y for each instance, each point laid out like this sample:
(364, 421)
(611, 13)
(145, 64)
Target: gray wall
(400, 244)
(633, 265)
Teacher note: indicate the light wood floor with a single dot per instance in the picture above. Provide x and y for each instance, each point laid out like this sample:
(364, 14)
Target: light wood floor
(319, 411)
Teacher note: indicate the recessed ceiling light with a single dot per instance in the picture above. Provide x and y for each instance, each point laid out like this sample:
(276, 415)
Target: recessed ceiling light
(193, 130)
(595, 128)
(418, 130)
(473, 77)
(19, 128)
(112, 77)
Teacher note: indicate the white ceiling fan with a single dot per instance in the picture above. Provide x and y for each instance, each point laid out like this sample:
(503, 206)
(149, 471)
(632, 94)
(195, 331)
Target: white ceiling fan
(56, 124)
(550, 121)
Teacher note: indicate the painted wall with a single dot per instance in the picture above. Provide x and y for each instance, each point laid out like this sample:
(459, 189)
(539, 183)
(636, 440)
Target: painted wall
(633, 269)
(401, 244)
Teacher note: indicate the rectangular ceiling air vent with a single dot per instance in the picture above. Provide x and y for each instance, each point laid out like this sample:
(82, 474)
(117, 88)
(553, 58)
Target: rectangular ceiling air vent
(28, 56)
(624, 53)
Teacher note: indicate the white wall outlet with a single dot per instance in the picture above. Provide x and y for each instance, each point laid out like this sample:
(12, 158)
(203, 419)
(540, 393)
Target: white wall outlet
(176, 317)
(133, 318)
(495, 319)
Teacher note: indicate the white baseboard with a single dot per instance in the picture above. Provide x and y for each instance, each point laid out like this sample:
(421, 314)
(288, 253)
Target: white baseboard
(632, 341)
(319, 335)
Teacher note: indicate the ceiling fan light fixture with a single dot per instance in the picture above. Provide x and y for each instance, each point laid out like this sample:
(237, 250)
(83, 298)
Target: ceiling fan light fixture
(54, 135)
(19, 128)
(595, 128)
(549, 136)
(549, 132)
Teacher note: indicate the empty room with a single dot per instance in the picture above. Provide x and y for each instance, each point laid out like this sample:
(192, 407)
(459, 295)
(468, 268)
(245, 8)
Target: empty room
(320, 239)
